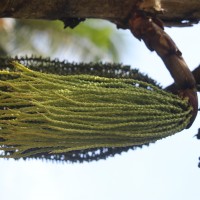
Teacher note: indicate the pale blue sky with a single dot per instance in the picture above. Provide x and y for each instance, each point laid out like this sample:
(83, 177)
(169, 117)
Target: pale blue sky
(166, 170)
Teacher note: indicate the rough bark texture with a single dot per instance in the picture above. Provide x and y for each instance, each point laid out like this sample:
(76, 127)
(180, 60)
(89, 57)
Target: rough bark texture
(175, 12)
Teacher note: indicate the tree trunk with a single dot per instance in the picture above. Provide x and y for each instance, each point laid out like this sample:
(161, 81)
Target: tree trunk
(172, 12)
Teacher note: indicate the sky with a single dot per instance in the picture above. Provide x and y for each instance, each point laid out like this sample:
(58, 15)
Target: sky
(165, 170)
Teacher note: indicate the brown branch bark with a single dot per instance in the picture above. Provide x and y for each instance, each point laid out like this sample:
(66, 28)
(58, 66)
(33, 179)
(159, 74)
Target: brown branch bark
(174, 11)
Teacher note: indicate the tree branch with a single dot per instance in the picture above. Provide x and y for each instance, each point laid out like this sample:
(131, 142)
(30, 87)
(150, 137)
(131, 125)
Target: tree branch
(175, 12)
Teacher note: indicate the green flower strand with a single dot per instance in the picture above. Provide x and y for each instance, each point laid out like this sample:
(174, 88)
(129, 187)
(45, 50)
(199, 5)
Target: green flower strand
(43, 112)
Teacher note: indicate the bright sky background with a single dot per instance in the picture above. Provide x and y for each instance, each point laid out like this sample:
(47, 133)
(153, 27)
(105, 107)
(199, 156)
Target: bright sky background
(164, 171)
